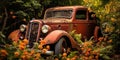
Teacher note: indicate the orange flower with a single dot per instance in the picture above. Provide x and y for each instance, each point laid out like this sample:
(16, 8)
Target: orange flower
(25, 52)
(48, 47)
(42, 42)
(22, 43)
(110, 41)
(96, 57)
(87, 54)
(23, 57)
(100, 39)
(82, 49)
(3, 53)
(89, 49)
(21, 47)
(68, 59)
(64, 54)
(89, 43)
(44, 50)
(25, 41)
(32, 52)
(16, 54)
(40, 46)
(37, 55)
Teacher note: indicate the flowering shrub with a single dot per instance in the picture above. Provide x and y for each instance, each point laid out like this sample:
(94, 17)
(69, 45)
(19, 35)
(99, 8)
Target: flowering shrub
(90, 50)
(21, 50)
(94, 50)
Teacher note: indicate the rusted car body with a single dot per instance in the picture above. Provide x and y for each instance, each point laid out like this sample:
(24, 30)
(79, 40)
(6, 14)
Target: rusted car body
(57, 24)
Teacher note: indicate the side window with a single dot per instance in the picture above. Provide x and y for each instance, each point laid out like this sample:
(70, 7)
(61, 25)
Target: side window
(81, 14)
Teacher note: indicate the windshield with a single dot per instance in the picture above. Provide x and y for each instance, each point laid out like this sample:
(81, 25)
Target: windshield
(59, 14)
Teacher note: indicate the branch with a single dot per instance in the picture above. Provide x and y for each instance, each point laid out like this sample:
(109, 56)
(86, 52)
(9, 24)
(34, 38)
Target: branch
(5, 20)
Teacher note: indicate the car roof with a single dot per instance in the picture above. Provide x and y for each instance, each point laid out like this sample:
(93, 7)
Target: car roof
(67, 7)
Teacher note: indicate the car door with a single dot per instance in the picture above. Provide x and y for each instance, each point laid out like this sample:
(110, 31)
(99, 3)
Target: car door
(80, 23)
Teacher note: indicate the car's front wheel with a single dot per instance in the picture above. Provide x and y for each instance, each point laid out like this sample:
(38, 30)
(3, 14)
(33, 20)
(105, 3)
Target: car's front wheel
(61, 46)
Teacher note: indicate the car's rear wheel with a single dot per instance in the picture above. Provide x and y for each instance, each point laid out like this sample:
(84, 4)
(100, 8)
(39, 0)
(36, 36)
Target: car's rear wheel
(61, 46)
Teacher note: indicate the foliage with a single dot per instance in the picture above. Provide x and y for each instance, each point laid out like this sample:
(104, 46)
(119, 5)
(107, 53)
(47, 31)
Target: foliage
(107, 11)
(90, 49)
(20, 50)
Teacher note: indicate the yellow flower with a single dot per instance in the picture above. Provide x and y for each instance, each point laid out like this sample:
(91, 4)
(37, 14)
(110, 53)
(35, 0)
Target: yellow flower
(113, 19)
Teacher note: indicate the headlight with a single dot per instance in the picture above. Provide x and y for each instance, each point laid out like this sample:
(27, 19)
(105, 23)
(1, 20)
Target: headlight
(22, 27)
(45, 28)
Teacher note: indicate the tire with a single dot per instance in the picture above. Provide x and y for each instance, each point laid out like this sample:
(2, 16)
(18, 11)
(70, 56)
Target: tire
(61, 46)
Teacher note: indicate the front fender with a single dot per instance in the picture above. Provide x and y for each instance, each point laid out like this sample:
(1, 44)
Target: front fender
(54, 36)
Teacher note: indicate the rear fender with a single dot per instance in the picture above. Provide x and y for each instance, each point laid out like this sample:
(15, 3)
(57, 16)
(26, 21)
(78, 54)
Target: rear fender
(54, 36)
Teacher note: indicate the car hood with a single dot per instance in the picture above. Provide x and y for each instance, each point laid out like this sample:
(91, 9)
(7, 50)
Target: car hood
(57, 20)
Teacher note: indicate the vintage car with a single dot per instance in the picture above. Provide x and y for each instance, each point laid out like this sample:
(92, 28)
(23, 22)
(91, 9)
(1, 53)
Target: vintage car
(56, 25)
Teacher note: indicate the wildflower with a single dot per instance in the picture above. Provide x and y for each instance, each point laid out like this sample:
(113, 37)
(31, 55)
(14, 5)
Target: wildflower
(25, 41)
(73, 58)
(3, 53)
(42, 42)
(113, 19)
(23, 57)
(37, 55)
(87, 53)
(25, 52)
(56, 58)
(64, 54)
(96, 57)
(82, 49)
(110, 41)
(68, 59)
(16, 54)
(89, 49)
(32, 52)
(21, 47)
(48, 47)
(40, 46)
(44, 50)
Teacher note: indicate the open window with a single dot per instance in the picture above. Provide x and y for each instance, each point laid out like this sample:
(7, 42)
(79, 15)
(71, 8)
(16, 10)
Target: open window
(81, 14)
